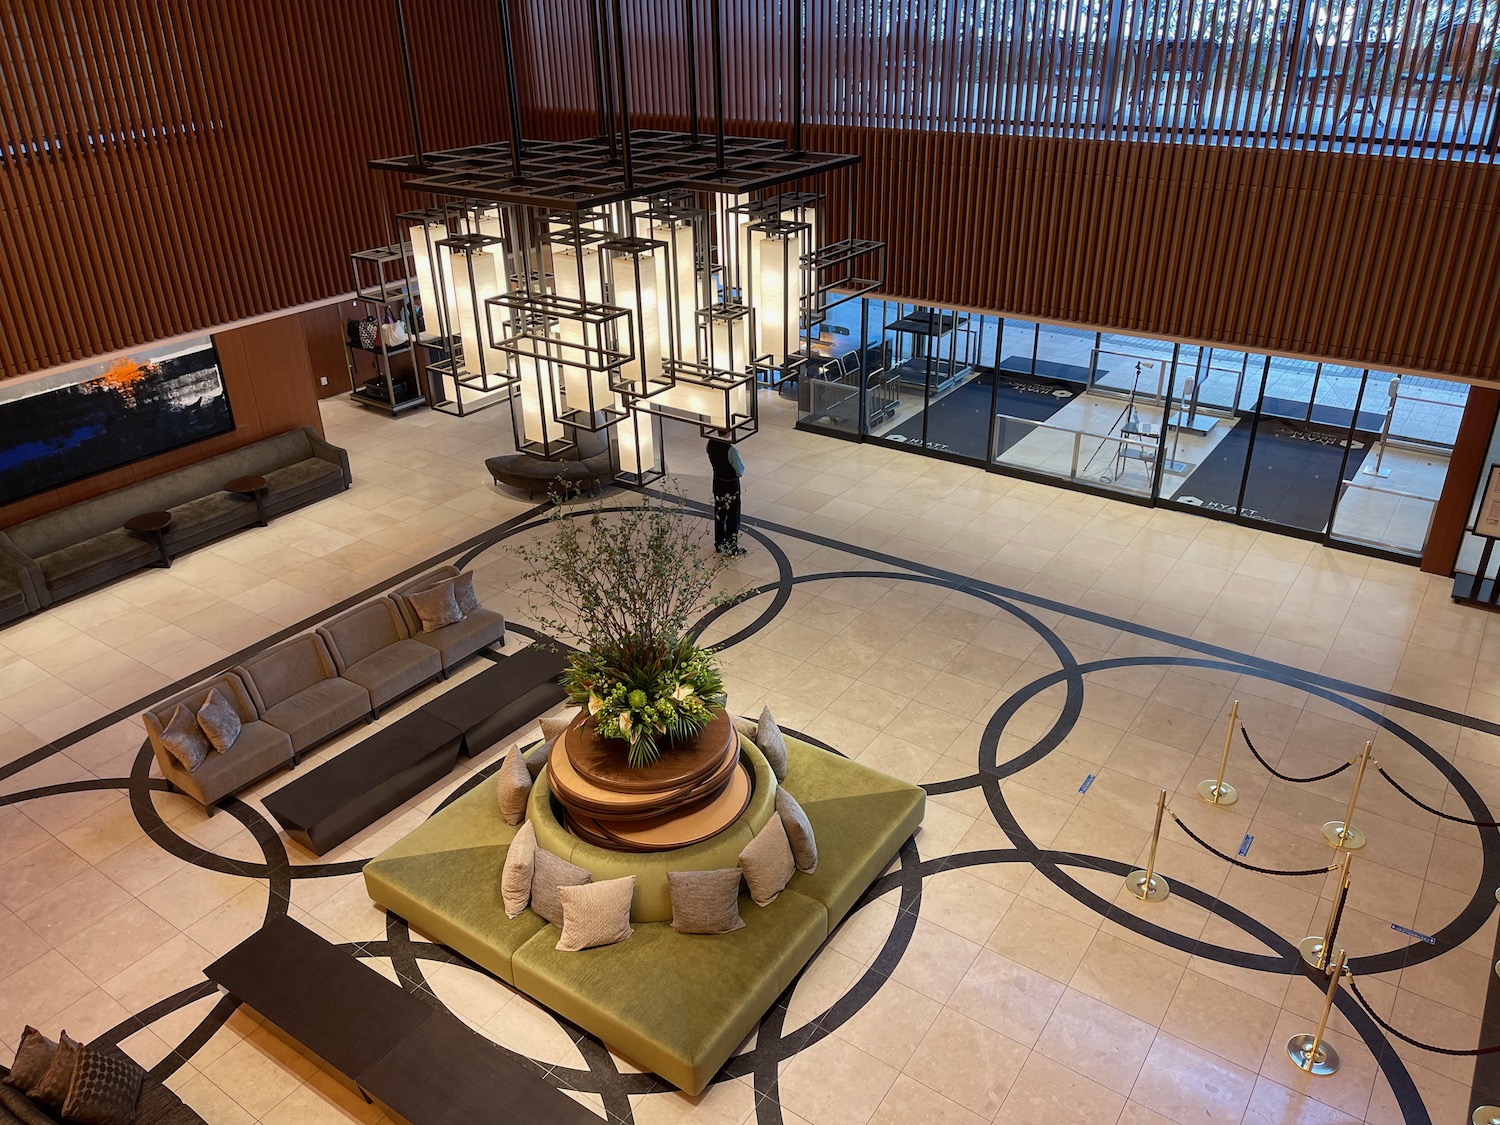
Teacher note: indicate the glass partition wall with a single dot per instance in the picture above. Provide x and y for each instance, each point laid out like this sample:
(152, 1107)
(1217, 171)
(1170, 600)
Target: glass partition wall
(1344, 455)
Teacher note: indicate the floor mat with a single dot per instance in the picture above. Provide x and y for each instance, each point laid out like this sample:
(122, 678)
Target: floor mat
(959, 422)
(1293, 478)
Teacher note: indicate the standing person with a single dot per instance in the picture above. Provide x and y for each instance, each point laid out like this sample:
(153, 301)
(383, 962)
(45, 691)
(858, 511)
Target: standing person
(728, 468)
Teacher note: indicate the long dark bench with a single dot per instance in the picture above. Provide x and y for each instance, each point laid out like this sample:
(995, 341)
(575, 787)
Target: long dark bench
(420, 1063)
(85, 545)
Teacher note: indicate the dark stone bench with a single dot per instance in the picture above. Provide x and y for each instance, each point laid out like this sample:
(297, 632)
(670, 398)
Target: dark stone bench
(588, 465)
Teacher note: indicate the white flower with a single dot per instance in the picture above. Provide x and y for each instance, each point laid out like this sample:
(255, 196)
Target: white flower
(595, 703)
(625, 723)
(682, 692)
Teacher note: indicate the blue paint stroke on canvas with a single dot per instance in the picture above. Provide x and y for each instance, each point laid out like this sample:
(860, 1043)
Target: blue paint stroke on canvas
(129, 412)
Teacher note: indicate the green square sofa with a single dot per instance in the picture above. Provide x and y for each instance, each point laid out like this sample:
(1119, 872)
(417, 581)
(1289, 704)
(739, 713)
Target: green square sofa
(676, 1004)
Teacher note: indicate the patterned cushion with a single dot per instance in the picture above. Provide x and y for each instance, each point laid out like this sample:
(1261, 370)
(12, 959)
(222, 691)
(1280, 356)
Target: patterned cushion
(767, 862)
(706, 902)
(596, 914)
(219, 720)
(515, 876)
(52, 1090)
(33, 1057)
(463, 593)
(513, 786)
(435, 608)
(550, 874)
(183, 738)
(104, 1089)
(799, 833)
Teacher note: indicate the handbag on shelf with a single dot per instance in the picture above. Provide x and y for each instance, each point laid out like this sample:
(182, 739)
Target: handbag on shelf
(364, 333)
(392, 330)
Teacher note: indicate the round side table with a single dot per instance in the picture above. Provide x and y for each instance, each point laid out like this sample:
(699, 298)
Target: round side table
(154, 524)
(253, 487)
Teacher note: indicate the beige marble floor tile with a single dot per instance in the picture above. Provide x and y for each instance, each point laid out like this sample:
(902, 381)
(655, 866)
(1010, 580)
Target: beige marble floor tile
(967, 1063)
(1046, 1091)
(835, 1083)
(1096, 1040)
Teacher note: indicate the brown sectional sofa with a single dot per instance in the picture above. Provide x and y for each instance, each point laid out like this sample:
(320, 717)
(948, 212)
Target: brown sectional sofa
(307, 689)
(84, 545)
(154, 1105)
(261, 748)
(372, 646)
(296, 686)
(457, 642)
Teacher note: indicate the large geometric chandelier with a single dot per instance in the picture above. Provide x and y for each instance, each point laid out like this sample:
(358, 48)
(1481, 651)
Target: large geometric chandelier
(608, 282)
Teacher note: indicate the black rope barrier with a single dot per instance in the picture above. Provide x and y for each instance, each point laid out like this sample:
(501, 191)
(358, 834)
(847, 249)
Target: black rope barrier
(1374, 1015)
(1274, 772)
(1206, 846)
(1421, 804)
(1338, 917)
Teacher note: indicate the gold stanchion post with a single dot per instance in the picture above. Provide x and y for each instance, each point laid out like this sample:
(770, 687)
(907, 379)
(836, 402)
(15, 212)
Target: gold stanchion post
(1147, 885)
(1309, 1052)
(1318, 951)
(1218, 792)
(1342, 833)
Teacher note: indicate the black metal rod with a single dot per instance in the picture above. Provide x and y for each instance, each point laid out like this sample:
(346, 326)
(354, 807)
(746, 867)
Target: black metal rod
(717, 31)
(796, 76)
(512, 99)
(601, 86)
(621, 79)
(411, 84)
(692, 68)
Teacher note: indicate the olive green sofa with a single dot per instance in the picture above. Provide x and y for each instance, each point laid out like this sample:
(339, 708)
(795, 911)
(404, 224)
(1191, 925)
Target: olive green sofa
(676, 1004)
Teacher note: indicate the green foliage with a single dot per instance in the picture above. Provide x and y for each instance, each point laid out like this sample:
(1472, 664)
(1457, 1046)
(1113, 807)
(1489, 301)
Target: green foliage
(624, 586)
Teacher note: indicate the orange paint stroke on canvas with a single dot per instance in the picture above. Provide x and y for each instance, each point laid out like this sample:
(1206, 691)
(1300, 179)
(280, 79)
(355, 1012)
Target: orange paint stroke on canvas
(122, 376)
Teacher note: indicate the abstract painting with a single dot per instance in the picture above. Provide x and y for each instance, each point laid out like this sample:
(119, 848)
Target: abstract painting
(130, 410)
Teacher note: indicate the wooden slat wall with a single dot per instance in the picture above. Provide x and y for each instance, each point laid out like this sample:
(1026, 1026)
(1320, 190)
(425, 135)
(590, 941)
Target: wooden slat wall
(169, 165)
(1026, 202)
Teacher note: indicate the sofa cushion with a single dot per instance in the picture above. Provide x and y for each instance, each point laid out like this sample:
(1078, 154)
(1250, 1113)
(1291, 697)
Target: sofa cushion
(767, 863)
(515, 877)
(395, 670)
(33, 1057)
(362, 632)
(595, 914)
(461, 640)
(258, 750)
(51, 1090)
(513, 786)
(549, 875)
(436, 608)
(184, 739)
(684, 1022)
(281, 672)
(215, 509)
(104, 1090)
(706, 902)
(218, 720)
(117, 549)
(301, 477)
(318, 711)
(421, 582)
(15, 1106)
(799, 833)
(464, 593)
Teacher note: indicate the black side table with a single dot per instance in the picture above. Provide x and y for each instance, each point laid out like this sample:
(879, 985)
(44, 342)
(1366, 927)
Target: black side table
(253, 487)
(155, 525)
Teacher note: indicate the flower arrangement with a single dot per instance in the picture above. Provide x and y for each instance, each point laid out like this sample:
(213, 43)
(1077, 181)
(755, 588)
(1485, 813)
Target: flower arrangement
(623, 583)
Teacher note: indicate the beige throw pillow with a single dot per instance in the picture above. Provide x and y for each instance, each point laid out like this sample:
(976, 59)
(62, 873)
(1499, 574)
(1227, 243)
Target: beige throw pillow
(769, 738)
(767, 862)
(799, 833)
(706, 902)
(513, 786)
(596, 914)
(515, 876)
(550, 873)
(435, 607)
(219, 720)
(183, 738)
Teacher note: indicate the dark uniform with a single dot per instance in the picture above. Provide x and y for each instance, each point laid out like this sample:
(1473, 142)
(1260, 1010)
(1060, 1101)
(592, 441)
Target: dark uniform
(727, 468)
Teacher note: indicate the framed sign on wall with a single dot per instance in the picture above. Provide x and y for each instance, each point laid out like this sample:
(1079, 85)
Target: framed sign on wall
(1487, 515)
